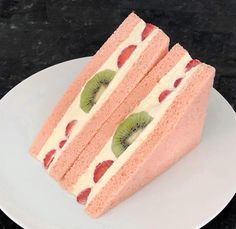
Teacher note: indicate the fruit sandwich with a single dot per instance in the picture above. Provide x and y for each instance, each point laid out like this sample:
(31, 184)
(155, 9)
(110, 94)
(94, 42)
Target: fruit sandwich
(129, 152)
(105, 82)
(133, 111)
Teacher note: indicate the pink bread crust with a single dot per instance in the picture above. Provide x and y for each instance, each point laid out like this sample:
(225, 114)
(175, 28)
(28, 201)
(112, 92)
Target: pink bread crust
(135, 97)
(150, 56)
(95, 63)
(163, 147)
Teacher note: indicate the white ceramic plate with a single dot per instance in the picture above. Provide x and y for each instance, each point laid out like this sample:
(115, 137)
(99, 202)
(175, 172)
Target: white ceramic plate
(188, 195)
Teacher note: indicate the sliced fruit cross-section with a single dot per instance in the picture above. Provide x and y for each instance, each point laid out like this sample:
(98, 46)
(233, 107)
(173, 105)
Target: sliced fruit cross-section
(125, 54)
(83, 196)
(62, 143)
(191, 64)
(94, 89)
(69, 127)
(128, 131)
(49, 158)
(163, 95)
(100, 169)
(177, 82)
(147, 30)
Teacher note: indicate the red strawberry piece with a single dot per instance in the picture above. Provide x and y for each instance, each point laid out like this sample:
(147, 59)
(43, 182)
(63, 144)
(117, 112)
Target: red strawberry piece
(69, 127)
(163, 95)
(177, 82)
(62, 143)
(191, 64)
(147, 30)
(49, 158)
(100, 169)
(83, 196)
(125, 54)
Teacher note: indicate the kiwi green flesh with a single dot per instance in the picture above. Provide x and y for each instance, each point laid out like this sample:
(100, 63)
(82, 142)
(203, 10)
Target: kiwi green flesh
(128, 131)
(94, 89)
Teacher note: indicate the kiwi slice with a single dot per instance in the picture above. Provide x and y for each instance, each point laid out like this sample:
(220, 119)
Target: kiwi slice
(128, 131)
(94, 89)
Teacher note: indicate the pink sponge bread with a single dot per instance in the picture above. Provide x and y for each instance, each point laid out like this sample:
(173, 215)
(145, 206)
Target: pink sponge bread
(106, 131)
(123, 61)
(184, 119)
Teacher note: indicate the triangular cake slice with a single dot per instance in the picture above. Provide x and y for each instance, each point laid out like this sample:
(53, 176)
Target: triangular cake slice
(165, 125)
(111, 75)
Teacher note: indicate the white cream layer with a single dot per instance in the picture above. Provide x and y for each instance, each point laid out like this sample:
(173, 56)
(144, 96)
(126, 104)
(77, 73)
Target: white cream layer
(151, 105)
(74, 112)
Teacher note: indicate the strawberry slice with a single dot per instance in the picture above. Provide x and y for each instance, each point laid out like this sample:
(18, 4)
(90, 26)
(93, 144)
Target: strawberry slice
(147, 30)
(62, 143)
(177, 82)
(125, 54)
(163, 95)
(69, 127)
(49, 158)
(100, 169)
(191, 64)
(83, 196)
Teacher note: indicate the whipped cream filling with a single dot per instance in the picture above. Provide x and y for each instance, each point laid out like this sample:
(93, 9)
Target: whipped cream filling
(74, 112)
(154, 108)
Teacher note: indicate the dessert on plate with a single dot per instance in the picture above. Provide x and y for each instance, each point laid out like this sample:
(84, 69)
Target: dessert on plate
(133, 111)
(113, 72)
(163, 127)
